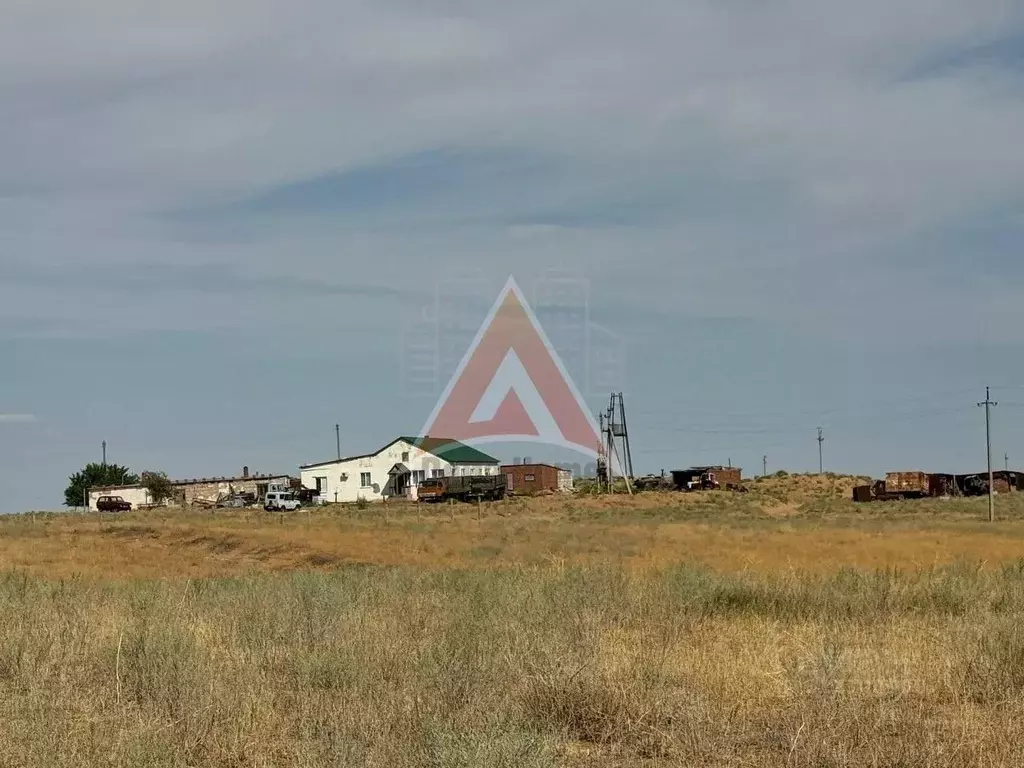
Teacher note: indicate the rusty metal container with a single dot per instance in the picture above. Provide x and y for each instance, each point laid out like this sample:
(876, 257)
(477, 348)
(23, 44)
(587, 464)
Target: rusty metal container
(729, 477)
(908, 483)
(862, 494)
(528, 479)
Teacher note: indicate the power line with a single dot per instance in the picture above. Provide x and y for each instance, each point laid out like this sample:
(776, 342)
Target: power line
(724, 430)
(873, 407)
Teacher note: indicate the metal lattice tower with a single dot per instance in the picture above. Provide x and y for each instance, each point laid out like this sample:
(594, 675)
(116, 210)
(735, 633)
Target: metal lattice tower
(618, 434)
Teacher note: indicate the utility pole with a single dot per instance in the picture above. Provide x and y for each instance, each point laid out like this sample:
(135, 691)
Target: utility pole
(337, 439)
(821, 463)
(104, 453)
(1006, 461)
(610, 455)
(988, 404)
(764, 466)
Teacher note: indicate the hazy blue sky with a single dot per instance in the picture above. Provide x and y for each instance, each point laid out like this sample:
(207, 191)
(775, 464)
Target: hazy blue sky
(218, 219)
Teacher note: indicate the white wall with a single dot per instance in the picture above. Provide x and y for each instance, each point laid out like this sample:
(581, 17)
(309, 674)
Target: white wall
(136, 496)
(352, 488)
(565, 480)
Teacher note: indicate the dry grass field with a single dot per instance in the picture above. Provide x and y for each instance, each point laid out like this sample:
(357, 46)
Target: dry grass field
(783, 627)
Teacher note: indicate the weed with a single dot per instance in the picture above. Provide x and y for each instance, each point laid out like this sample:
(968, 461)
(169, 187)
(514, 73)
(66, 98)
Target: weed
(532, 666)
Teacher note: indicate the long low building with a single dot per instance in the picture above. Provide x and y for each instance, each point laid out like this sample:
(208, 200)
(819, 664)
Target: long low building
(396, 470)
(136, 495)
(202, 490)
(207, 490)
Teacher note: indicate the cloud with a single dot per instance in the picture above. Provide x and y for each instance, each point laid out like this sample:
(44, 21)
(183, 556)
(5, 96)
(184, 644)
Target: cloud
(426, 188)
(833, 172)
(183, 279)
(411, 180)
(17, 418)
(1002, 53)
(266, 114)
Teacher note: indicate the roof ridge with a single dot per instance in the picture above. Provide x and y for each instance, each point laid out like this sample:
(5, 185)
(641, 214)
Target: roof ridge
(445, 448)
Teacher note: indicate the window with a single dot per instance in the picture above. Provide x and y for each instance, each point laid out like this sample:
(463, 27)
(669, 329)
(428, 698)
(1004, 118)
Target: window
(530, 478)
(321, 484)
(418, 476)
(405, 455)
(365, 480)
(437, 473)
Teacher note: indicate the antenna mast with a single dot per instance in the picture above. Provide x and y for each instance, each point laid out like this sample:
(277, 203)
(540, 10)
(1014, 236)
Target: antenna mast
(616, 435)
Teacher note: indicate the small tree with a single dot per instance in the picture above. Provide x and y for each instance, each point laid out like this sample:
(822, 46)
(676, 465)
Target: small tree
(93, 475)
(158, 485)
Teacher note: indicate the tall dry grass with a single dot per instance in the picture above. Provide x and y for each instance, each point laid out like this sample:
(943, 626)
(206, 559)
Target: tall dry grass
(782, 524)
(583, 665)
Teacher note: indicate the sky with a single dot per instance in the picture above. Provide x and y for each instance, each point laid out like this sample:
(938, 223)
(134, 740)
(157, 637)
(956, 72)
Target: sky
(220, 220)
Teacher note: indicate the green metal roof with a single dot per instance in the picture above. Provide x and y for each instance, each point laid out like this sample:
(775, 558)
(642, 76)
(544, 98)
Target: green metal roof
(450, 450)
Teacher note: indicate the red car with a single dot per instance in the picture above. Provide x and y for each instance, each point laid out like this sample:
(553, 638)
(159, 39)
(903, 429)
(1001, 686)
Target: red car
(112, 504)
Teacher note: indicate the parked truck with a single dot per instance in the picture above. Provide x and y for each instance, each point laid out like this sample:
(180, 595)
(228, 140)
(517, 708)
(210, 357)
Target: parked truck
(463, 488)
(908, 485)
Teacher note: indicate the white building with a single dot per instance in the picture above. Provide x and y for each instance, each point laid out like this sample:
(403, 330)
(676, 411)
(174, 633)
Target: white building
(396, 469)
(136, 495)
(204, 491)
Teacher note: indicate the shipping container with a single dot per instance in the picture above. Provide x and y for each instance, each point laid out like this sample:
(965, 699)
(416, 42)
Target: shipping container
(528, 479)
